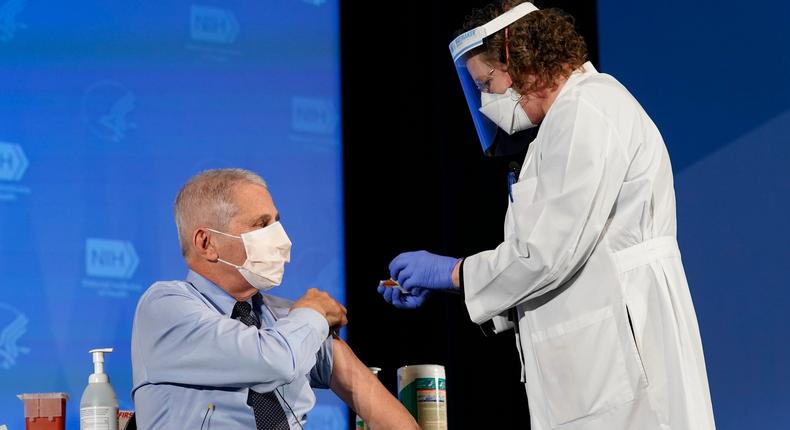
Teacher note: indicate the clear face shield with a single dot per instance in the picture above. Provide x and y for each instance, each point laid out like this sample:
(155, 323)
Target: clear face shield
(499, 119)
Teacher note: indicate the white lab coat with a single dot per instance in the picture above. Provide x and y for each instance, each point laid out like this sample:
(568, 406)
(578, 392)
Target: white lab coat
(591, 264)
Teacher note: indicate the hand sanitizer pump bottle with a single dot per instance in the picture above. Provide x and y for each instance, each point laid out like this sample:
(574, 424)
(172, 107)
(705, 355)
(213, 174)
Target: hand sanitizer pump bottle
(99, 405)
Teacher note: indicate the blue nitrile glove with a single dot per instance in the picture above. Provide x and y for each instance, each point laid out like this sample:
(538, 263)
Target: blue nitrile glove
(395, 297)
(420, 273)
(423, 269)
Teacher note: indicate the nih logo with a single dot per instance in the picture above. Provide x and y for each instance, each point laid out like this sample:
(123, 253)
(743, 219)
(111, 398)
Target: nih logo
(107, 258)
(13, 162)
(313, 115)
(214, 25)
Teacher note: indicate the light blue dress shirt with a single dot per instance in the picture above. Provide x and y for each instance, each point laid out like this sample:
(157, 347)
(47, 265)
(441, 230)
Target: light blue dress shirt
(187, 354)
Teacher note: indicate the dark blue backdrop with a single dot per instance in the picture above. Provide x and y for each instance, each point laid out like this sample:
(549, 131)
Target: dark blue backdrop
(106, 108)
(713, 76)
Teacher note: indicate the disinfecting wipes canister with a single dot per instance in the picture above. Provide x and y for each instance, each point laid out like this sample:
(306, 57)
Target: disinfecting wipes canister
(422, 390)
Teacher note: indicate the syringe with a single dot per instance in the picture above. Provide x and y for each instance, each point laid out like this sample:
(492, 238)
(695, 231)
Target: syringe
(391, 283)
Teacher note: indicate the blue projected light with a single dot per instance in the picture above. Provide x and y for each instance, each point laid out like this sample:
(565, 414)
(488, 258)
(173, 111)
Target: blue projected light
(712, 77)
(106, 109)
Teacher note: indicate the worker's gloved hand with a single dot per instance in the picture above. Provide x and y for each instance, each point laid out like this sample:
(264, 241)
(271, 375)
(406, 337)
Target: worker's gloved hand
(423, 269)
(412, 300)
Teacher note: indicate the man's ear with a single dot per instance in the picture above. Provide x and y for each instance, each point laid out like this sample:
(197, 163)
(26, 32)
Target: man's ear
(203, 246)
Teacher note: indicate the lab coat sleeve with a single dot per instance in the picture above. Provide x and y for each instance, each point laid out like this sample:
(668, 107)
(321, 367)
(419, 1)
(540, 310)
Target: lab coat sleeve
(581, 167)
(181, 342)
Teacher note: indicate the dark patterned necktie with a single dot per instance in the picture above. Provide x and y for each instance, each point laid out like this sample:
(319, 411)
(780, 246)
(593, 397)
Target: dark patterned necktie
(269, 415)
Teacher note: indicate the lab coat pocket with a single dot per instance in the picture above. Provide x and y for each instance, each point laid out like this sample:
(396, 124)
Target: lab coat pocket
(635, 346)
(582, 366)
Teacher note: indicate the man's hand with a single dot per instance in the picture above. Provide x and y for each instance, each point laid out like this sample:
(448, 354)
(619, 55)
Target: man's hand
(323, 303)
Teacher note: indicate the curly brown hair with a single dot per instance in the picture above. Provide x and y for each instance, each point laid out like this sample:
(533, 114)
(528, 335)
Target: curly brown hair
(544, 46)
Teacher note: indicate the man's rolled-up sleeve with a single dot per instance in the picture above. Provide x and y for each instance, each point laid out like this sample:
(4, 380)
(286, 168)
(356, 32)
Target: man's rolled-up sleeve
(321, 374)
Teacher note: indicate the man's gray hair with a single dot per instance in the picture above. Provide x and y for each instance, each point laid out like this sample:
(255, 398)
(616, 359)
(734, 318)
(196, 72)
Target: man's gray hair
(206, 200)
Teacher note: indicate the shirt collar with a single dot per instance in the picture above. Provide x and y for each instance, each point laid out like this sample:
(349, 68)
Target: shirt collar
(220, 298)
(585, 71)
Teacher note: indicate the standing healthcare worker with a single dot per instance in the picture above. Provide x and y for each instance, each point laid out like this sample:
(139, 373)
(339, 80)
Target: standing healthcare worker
(589, 269)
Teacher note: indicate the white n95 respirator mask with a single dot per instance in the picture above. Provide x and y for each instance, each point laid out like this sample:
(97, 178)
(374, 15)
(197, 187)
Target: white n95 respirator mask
(505, 111)
(268, 249)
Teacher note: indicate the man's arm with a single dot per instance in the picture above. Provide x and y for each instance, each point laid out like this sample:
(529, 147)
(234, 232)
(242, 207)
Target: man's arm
(176, 339)
(364, 393)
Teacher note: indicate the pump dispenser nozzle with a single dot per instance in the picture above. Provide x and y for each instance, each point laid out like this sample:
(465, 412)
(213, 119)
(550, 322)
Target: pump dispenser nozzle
(98, 374)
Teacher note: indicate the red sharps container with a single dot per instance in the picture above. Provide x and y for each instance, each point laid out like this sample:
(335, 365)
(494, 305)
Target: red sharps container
(45, 411)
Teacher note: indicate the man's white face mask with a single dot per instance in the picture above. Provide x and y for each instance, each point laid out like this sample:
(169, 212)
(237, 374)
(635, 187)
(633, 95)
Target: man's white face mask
(268, 249)
(505, 111)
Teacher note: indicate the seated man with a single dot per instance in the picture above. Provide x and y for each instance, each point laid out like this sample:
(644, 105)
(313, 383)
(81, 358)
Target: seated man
(214, 352)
